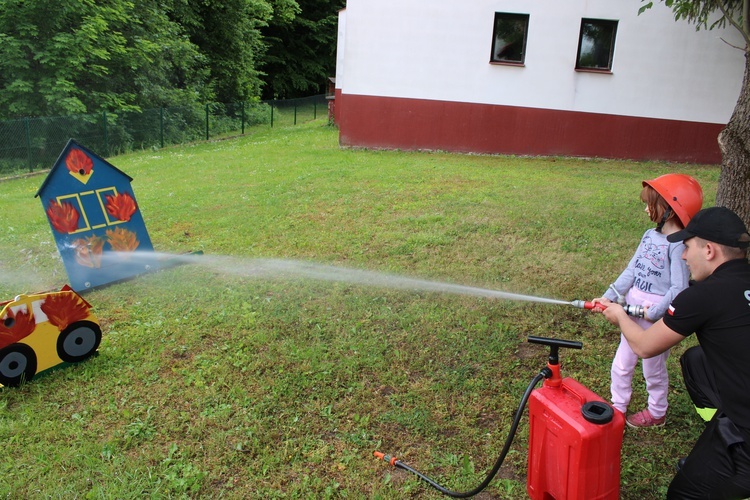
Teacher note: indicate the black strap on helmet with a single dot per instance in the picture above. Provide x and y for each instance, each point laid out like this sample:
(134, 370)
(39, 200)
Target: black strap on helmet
(664, 218)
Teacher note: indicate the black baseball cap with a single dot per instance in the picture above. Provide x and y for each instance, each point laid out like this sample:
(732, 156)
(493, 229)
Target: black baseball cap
(717, 224)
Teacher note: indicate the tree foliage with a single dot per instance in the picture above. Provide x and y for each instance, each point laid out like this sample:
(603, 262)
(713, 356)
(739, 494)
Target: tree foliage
(301, 49)
(228, 33)
(734, 140)
(86, 56)
(710, 14)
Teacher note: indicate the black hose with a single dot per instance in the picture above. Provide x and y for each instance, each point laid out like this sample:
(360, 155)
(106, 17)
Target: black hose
(542, 375)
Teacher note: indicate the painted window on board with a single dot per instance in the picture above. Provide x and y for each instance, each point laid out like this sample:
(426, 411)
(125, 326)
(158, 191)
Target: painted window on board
(509, 38)
(596, 45)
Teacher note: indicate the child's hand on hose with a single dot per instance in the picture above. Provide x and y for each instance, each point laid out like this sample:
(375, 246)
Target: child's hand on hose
(602, 301)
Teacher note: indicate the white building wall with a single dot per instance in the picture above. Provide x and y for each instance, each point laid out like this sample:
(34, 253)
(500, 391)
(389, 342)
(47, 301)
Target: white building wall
(341, 49)
(440, 50)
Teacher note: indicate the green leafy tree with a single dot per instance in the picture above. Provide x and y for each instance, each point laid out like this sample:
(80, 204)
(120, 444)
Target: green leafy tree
(163, 68)
(228, 34)
(734, 140)
(84, 56)
(301, 52)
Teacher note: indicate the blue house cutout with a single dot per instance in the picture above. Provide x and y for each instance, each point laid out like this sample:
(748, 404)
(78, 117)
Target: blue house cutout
(95, 219)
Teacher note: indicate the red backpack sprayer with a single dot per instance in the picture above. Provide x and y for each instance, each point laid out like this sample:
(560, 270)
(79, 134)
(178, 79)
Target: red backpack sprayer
(575, 437)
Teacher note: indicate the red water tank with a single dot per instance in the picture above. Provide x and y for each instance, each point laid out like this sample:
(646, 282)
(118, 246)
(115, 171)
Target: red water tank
(575, 440)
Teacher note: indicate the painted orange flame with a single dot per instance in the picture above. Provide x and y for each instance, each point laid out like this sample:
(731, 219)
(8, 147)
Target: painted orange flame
(63, 216)
(122, 240)
(88, 251)
(122, 206)
(64, 308)
(79, 162)
(19, 325)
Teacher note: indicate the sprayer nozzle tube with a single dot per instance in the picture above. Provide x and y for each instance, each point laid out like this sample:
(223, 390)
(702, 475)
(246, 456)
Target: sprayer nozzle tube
(631, 310)
(582, 304)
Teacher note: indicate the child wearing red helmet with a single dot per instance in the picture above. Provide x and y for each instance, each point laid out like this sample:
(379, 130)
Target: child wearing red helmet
(653, 278)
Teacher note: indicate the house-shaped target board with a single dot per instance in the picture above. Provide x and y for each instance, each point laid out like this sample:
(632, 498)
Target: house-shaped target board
(95, 219)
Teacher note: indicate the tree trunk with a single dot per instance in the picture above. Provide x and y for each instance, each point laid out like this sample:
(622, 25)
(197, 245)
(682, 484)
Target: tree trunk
(734, 181)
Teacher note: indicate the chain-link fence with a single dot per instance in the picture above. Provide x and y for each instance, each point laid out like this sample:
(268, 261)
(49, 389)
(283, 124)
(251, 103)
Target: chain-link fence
(30, 144)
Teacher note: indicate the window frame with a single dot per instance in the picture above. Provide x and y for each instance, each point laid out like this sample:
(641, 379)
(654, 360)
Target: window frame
(525, 18)
(613, 23)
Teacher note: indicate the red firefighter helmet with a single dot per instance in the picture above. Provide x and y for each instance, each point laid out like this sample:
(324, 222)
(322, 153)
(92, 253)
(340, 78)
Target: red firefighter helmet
(681, 192)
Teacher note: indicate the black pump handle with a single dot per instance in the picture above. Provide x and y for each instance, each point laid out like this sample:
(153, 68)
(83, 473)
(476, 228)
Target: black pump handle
(554, 345)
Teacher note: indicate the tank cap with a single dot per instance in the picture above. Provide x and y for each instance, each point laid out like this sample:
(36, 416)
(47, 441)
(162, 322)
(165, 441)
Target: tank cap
(597, 412)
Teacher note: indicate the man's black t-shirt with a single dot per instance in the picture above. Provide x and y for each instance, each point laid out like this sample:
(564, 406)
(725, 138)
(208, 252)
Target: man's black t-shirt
(717, 309)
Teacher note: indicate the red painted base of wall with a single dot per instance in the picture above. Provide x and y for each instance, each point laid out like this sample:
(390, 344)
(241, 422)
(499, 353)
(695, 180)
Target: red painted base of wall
(394, 123)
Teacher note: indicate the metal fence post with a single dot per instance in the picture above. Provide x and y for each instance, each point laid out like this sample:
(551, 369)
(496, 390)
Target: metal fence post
(161, 126)
(295, 112)
(28, 144)
(271, 114)
(106, 139)
(243, 117)
(315, 110)
(206, 121)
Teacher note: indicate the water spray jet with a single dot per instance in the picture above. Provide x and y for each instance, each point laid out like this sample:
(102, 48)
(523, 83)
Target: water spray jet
(288, 269)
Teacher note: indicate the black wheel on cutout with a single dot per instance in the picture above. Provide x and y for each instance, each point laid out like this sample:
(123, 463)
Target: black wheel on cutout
(78, 341)
(17, 365)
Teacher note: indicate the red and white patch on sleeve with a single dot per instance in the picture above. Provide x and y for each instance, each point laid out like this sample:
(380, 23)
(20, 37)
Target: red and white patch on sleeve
(670, 311)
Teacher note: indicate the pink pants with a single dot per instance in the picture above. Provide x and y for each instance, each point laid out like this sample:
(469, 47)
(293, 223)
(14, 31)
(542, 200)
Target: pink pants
(654, 369)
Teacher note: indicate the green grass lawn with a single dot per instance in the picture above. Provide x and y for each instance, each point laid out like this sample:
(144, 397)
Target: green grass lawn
(215, 380)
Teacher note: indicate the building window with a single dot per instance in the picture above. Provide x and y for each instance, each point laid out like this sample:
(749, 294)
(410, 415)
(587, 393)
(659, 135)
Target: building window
(509, 38)
(596, 45)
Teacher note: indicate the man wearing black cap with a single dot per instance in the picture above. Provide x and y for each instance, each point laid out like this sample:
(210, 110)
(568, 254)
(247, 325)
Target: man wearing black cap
(717, 373)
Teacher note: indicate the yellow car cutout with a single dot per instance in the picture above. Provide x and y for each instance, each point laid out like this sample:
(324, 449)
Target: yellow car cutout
(40, 331)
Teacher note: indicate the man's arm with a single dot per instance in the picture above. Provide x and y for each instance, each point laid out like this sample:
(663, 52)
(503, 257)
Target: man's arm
(645, 343)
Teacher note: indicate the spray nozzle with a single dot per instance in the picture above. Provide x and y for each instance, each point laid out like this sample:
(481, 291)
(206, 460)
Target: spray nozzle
(631, 310)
